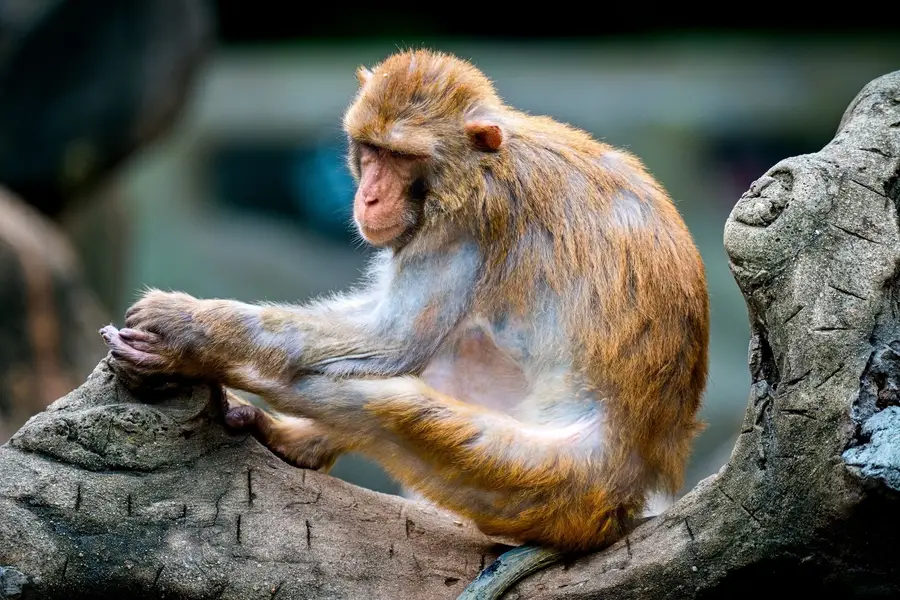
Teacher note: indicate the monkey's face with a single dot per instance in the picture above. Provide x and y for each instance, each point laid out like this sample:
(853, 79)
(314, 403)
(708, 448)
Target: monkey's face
(418, 129)
(388, 202)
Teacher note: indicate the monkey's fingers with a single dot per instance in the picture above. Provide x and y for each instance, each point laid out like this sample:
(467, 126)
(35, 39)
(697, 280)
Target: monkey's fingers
(147, 345)
(137, 354)
(242, 418)
(138, 335)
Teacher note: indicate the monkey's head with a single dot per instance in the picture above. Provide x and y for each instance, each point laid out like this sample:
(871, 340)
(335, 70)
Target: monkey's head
(419, 129)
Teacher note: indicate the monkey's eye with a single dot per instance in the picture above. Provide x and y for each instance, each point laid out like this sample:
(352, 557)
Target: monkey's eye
(367, 150)
(418, 189)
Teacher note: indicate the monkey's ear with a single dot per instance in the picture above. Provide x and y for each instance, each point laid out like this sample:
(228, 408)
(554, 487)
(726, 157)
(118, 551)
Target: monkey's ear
(484, 135)
(362, 75)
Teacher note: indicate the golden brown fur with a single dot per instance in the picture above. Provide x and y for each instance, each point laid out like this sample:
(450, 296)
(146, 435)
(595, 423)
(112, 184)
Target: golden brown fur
(544, 278)
(642, 315)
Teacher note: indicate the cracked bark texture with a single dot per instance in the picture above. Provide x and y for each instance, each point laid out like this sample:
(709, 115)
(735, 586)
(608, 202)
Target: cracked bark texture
(102, 495)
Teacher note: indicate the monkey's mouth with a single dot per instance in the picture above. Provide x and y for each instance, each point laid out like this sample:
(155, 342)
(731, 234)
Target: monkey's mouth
(381, 235)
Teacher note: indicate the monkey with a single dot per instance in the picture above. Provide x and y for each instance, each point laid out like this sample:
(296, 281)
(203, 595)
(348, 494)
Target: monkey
(528, 348)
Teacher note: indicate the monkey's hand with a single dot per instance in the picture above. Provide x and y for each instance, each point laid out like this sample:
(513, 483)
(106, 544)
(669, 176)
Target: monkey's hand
(164, 334)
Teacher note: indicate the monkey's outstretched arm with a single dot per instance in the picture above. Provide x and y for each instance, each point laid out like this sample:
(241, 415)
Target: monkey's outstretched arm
(404, 316)
(391, 328)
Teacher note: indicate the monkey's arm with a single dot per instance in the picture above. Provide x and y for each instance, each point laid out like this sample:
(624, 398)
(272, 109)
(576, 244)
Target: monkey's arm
(391, 328)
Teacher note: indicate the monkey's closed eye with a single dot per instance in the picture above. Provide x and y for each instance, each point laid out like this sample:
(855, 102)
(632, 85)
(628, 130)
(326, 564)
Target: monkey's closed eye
(367, 147)
(418, 189)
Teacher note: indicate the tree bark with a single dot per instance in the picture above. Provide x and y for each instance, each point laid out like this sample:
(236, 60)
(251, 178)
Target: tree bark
(102, 495)
(48, 315)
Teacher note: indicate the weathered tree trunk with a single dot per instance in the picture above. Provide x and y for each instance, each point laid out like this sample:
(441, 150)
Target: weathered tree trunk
(101, 495)
(48, 316)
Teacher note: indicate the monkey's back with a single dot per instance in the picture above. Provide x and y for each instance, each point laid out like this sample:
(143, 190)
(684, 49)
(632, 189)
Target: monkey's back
(591, 224)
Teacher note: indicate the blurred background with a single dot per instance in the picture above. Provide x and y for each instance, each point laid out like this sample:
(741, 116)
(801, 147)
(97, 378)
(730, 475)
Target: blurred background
(197, 146)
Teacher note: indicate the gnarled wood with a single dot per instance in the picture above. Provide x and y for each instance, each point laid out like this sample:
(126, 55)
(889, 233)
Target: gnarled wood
(101, 495)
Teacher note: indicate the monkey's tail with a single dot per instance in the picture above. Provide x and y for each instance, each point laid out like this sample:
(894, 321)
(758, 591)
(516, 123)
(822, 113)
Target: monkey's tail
(510, 567)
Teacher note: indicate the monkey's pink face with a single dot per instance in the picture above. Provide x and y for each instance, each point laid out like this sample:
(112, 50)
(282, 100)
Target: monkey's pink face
(390, 186)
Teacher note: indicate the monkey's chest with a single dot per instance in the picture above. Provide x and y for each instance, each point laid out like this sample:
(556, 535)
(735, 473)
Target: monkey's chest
(473, 367)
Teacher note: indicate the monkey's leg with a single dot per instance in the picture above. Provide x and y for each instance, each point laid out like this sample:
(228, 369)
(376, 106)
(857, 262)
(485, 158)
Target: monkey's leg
(492, 583)
(427, 440)
(299, 442)
(423, 437)
(479, 463)
(511, 567)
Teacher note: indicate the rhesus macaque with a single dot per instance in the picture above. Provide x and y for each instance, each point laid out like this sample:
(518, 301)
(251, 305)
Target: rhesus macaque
(529, 349)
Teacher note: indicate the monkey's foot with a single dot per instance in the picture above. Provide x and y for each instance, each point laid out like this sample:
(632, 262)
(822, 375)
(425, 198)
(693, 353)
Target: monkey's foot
(299, 442)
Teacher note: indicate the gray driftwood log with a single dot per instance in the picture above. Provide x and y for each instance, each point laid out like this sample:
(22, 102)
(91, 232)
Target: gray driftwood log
(103, 496)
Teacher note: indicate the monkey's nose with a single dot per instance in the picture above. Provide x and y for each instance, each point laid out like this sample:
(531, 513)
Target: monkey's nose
(370, 200)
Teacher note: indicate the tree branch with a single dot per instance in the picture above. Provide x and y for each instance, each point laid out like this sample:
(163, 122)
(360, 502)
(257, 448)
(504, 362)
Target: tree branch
(102, 495)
